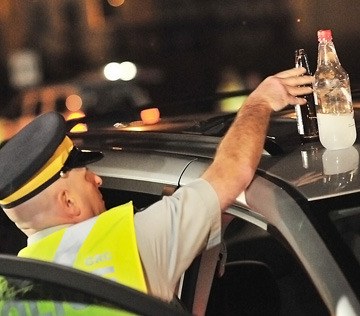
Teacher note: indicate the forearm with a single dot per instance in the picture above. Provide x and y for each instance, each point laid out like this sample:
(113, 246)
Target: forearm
(239, 152)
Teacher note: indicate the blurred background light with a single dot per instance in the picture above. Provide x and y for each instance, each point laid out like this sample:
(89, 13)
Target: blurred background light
(116, 3)
(73, 103)
(150, 116)
(125, 71)
(78, 128)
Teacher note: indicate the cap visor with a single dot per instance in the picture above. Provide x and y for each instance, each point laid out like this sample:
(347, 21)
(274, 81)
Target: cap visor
(80, 158)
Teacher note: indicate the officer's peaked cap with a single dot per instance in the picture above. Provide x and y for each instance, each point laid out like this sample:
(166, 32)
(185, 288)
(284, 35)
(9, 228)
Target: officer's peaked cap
(35, 157)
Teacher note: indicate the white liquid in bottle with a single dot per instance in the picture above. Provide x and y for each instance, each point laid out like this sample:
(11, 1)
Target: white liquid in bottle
(336, 131)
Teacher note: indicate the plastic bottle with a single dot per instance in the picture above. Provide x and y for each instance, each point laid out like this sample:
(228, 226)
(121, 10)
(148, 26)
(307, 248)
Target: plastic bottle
(306, 114)
(333, 100)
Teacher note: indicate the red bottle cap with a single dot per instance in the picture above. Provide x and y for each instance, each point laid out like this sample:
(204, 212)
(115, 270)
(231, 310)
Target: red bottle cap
(324, 35)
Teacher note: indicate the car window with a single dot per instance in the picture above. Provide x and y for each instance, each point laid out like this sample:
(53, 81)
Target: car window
(32, 287)
(19, 296)
(347, 223)
(337, 221)
(262, 276)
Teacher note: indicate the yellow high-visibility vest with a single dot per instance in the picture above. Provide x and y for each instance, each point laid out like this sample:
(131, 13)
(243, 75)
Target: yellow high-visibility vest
(104, 245)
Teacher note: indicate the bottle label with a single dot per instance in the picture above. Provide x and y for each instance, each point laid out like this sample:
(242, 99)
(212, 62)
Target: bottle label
(300, 123)
(316, 100)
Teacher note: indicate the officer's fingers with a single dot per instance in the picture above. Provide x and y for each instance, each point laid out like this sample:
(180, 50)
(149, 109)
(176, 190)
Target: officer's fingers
(298, 71)
(298, 81)
(297, 100)
(299, 90)
(288, 100)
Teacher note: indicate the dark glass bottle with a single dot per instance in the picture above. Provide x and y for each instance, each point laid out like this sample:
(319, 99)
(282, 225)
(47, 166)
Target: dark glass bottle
(306, 114)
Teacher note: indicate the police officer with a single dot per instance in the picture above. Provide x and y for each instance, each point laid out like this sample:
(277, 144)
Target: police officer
(47, 190)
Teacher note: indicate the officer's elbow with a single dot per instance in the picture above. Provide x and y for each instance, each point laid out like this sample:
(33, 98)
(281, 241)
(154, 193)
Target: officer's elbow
(228, 183)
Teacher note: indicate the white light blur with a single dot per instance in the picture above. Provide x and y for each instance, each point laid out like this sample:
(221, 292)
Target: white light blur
(120, 71)
(344, 307)
(116, 3)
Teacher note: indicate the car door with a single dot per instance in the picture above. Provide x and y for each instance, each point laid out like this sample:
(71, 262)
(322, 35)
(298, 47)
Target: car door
(32, 287)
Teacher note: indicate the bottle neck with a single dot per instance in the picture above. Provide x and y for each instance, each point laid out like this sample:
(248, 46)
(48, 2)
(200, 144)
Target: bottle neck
(327, 53)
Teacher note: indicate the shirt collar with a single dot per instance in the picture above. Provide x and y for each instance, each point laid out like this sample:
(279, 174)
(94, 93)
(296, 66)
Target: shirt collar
(45, 232)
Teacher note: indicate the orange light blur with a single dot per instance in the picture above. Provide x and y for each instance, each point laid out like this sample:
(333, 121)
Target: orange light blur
(73, 102)
(150, 116)
(78, 128)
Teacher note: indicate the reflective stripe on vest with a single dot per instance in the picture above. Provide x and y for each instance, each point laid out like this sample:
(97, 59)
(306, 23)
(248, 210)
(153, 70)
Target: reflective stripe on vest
(71, 242)
(104, 245)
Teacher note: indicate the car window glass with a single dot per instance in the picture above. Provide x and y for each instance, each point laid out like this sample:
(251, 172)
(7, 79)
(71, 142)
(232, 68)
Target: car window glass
(262, 277)
(21, 296)
(347, 223)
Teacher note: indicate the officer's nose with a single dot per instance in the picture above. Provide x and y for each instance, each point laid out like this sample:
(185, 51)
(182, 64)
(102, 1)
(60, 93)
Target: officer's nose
(94, 178)
(98, 180)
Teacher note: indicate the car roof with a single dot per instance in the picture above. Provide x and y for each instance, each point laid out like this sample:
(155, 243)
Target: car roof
(308, 170)
(314, 172)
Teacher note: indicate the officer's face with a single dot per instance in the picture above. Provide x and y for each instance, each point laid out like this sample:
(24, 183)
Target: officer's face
(84, 186)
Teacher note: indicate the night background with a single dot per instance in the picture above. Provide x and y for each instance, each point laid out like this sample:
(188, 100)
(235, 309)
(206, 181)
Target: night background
(184, 50)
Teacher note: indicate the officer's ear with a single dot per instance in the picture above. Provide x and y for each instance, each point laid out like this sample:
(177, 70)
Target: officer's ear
(68, 204)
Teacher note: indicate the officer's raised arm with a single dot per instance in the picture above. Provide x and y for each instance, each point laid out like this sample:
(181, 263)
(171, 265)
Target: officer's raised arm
(240, 150)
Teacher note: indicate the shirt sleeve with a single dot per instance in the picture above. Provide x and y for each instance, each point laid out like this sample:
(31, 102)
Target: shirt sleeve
(173, 231)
